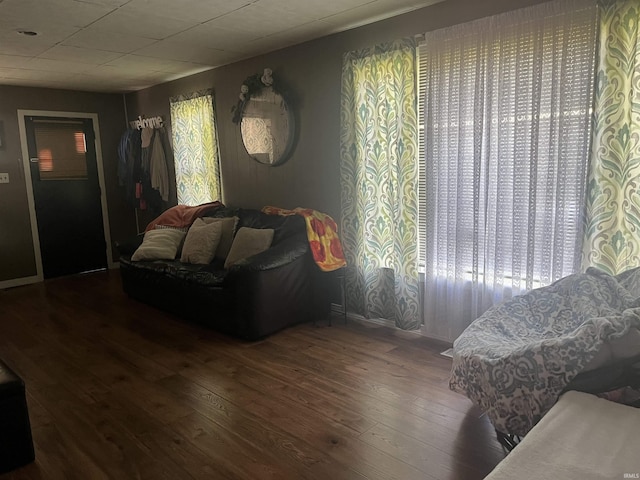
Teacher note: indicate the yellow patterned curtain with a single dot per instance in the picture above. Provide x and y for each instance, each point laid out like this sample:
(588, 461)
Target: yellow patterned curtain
(612, 235)
(378, 142)
(195, 148)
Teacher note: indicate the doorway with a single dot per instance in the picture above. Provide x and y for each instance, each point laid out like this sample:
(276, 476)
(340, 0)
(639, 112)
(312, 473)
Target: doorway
(66, 189)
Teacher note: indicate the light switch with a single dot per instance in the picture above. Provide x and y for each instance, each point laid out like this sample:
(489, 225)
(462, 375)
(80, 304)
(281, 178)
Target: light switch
(4, 178)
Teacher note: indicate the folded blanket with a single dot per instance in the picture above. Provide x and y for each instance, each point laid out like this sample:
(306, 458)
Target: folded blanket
(322, 233)
(182, 216)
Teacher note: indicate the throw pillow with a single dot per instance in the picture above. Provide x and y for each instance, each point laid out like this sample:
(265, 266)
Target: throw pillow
(180, 229)
(226, 237)
(201, 242)
(248, 242)
(169, 227)
(161, 244)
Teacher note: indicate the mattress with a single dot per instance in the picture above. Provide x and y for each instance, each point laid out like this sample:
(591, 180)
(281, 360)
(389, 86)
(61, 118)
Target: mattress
(582, 437)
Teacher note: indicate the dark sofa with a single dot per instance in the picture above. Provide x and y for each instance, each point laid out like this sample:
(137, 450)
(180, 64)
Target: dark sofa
(254, 298)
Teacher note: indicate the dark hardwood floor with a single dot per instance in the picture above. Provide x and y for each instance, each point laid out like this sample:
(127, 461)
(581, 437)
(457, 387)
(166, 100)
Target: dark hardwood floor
(117, 389)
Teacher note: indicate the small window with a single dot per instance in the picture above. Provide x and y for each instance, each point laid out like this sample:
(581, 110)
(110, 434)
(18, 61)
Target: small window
(61, 148)
(195, 148)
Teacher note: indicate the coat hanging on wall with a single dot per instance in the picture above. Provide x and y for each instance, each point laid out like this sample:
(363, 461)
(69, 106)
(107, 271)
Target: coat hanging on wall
(142, 168)
(129, 162)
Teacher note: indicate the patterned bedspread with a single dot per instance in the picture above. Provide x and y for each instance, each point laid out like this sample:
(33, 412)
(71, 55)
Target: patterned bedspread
(515, 360)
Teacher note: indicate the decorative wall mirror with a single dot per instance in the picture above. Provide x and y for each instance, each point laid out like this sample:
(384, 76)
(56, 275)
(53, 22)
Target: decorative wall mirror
(266, 121)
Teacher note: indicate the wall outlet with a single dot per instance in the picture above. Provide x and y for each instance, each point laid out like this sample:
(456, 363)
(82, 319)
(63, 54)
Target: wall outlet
(4, 178)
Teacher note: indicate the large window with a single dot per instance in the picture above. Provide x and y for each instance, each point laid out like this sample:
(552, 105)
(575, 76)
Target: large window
(195, 148)
(378, 142)
(505, 108)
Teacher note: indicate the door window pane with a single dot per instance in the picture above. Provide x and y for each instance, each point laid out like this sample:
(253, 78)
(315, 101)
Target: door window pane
(61, 148)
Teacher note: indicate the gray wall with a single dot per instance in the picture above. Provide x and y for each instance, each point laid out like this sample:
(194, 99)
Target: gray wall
(312, 71)
(311, 177)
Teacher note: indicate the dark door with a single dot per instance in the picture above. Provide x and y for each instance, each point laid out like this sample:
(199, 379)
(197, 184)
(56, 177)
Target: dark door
(66, 192)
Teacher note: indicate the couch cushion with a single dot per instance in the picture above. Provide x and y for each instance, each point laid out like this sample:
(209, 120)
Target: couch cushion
(227, 230)
(161, 244)
(203, 275)
(192, 274)
(283, 226)
(249, 242)
(201, 242)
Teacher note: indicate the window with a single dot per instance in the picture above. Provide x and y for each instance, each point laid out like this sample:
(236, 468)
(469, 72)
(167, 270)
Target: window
(61, 149)
(195, 148)
(505, 111)
(378, 141)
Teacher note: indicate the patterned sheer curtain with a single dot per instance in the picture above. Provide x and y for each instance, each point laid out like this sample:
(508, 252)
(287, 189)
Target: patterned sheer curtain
(195, 148)
(378, 143)
(507, 131)
(612, 236)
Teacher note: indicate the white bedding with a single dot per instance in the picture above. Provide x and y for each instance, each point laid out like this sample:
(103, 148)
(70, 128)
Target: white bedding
(582, 437)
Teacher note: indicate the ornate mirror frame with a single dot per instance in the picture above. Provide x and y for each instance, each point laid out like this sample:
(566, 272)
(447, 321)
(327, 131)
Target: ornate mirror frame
(267, 122)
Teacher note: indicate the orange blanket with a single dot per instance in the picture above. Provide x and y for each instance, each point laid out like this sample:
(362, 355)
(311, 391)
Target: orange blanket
(181, 216)
(322, 233)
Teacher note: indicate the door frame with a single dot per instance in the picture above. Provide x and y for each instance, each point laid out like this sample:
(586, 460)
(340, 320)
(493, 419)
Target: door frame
(29, 185)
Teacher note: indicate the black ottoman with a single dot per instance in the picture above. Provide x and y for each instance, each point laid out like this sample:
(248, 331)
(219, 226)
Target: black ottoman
(16, 445)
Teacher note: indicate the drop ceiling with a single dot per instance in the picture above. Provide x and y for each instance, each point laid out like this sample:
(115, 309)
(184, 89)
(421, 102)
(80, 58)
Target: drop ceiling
(127, 45)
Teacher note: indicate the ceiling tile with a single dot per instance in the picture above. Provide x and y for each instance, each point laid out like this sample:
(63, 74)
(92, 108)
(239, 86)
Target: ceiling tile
(117, 76)
(316, 10)
(80, 84)
(413, 4)
(94, 37)
(149, 25)
(46, 65)
(38, 74)
(123, 45)
(175, 50)
(27, 82)
(118, 73)
(288, 37)
(38, 14)
(12, 43)
(260, 21)
(78, 54)
(196, 11)
(9, 45)
(138, 63)
(4, 71)
(108, 3)
(374, 12)
(358, 16)
(305, 32)
(12, 61)
(216, 36)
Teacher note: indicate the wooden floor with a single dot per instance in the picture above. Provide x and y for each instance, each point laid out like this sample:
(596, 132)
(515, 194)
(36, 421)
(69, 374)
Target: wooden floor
(117, 389)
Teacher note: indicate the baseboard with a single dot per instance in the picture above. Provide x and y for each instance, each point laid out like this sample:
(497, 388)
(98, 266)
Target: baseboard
(19, 282)
(377, 321)
(337, 309)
